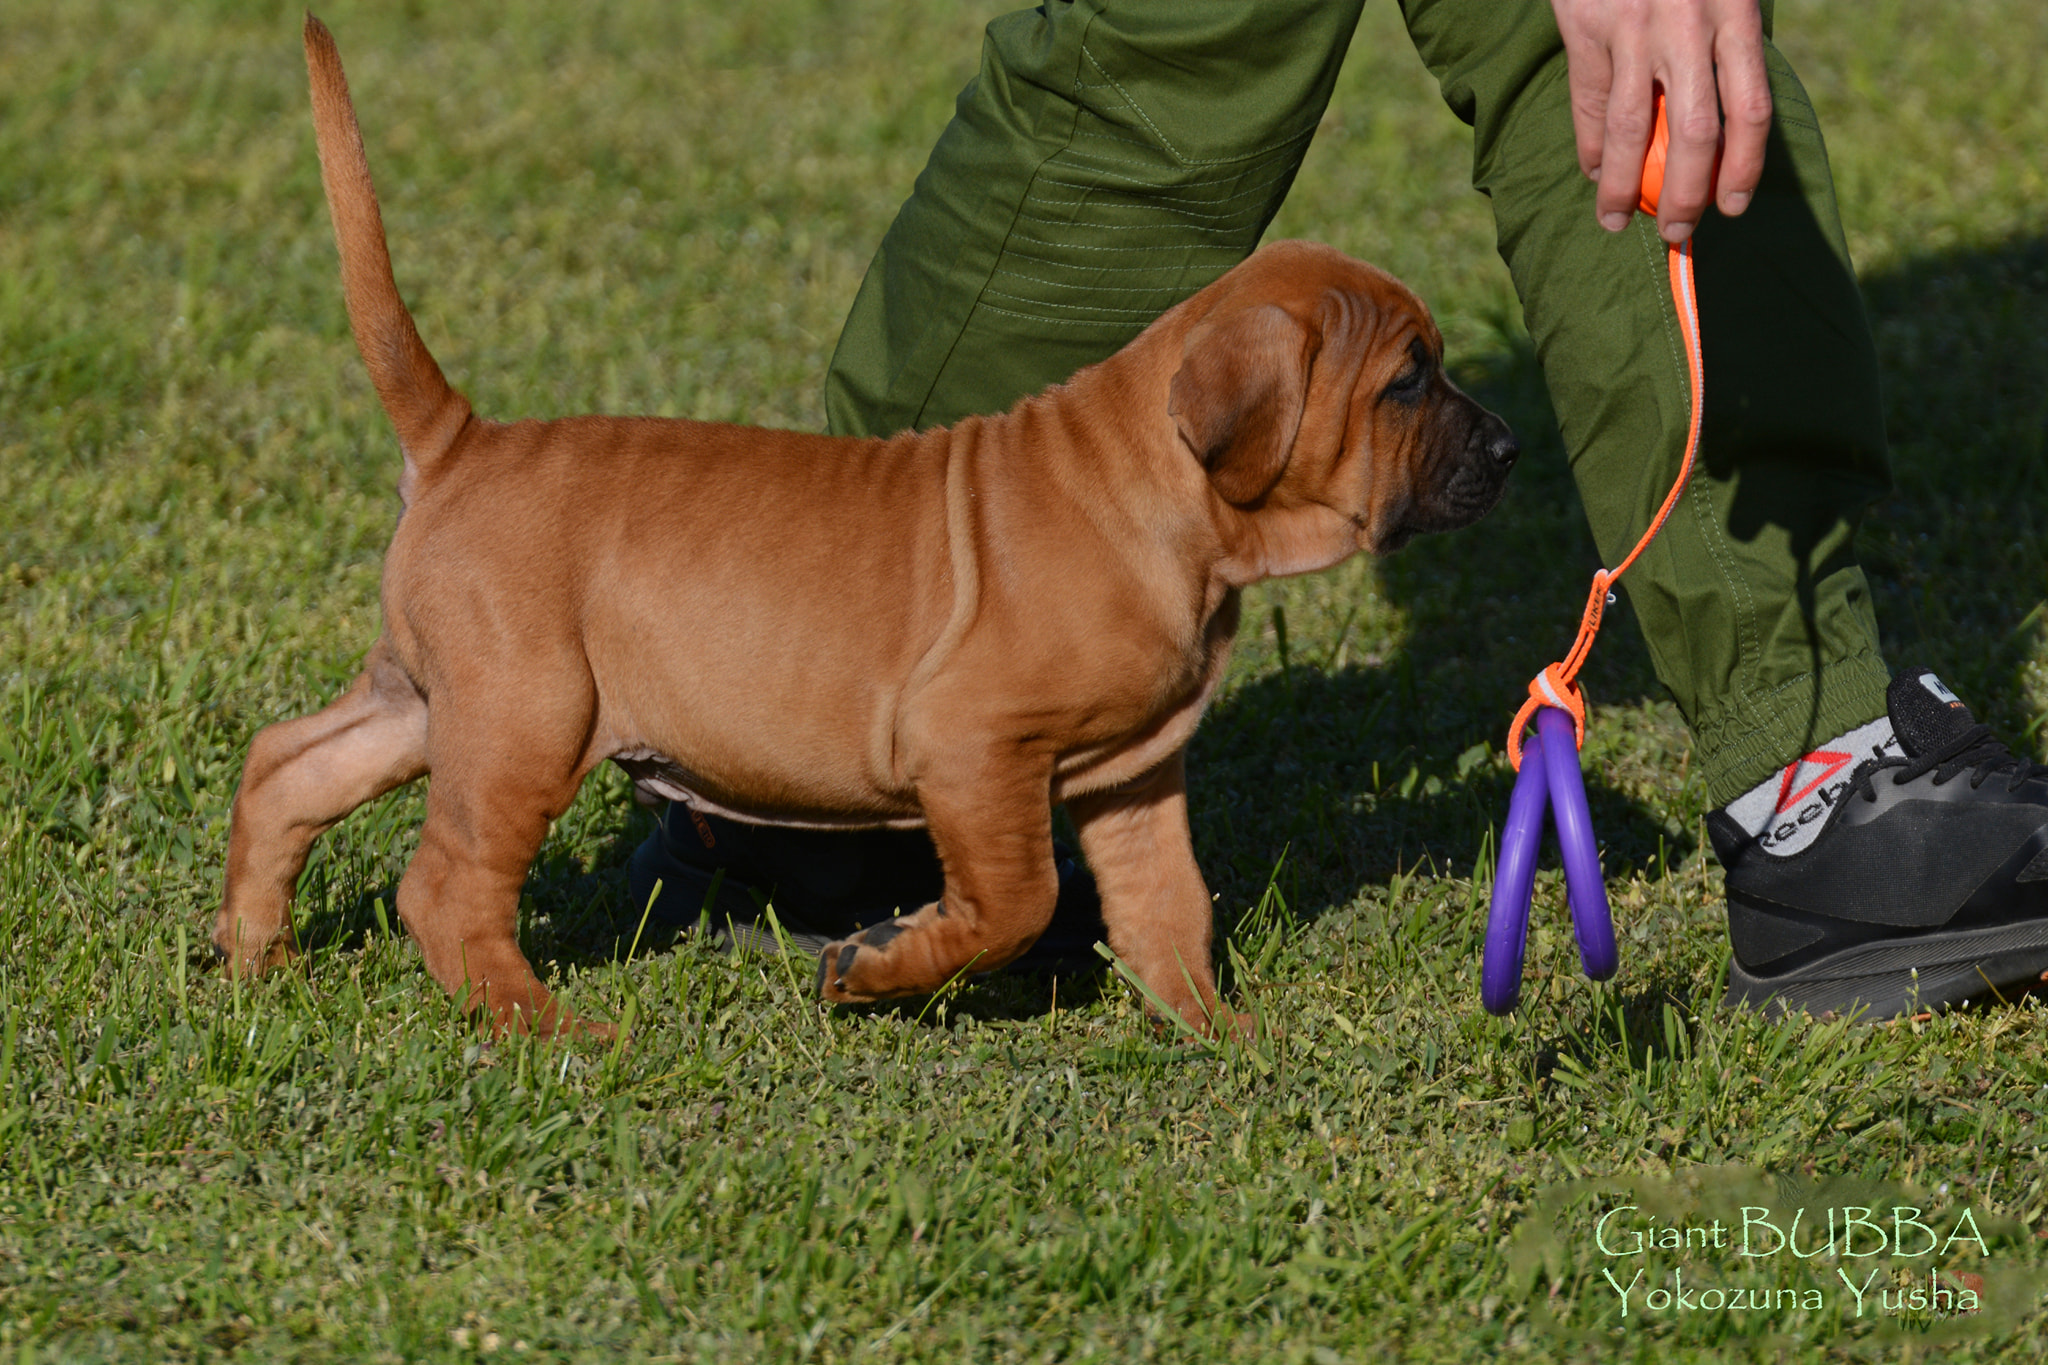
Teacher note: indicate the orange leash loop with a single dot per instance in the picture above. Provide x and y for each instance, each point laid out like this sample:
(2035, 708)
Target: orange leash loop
(1556, 685)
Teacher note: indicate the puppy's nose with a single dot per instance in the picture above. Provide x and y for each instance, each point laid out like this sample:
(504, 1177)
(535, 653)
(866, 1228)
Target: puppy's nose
(1493, 436)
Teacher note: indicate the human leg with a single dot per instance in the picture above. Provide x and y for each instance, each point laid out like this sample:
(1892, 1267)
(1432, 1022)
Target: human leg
(1860, 874)
(1755, 611)
(1107, 162)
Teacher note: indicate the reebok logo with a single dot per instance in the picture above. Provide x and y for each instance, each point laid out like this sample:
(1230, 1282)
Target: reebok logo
(1830, 763)
(1786, 810)
(1800, 814)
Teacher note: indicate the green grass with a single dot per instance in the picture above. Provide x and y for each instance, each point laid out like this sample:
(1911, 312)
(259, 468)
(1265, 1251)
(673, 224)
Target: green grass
(666, 208)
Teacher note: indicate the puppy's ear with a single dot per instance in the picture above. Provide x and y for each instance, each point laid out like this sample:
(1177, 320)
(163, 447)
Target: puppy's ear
(1238, 396)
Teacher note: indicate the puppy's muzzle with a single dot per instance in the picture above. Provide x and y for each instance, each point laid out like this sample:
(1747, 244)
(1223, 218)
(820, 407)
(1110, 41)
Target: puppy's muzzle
(1472, 479)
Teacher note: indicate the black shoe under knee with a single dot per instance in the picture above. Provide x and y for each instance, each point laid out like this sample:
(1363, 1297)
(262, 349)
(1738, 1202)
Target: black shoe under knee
(1926, 887)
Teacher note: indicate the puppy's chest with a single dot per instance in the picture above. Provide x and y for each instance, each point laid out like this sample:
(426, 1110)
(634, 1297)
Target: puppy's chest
(1154, 733)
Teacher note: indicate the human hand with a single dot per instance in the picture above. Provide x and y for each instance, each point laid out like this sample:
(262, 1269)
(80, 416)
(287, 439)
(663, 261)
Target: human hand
(1707, 56)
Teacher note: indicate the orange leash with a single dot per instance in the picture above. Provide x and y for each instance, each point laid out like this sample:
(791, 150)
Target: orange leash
(1557, 684)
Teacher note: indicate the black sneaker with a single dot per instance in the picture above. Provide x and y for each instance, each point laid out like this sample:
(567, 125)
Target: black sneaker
(1920, 892)
(823, 885)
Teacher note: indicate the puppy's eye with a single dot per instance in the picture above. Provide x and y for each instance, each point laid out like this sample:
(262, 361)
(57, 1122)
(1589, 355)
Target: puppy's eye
(1409, 384)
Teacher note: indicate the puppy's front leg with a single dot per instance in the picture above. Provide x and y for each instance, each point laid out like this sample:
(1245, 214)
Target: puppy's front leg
(1154, 902)
(992, 821)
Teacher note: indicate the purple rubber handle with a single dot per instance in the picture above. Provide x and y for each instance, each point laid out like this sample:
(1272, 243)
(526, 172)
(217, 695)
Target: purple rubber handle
(1586, 888)
(1514, 879)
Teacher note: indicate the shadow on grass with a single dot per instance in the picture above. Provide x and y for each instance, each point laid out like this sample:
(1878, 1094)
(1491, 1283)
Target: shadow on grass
(577, 918)
(1958, 554)
(1009, 996)
(1659, 1020)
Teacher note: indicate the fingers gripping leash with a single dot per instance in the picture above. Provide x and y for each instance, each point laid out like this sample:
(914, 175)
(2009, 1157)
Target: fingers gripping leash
(1549, 777)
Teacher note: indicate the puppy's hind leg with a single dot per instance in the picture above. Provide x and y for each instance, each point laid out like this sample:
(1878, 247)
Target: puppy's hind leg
(502, 773)
(301, 778)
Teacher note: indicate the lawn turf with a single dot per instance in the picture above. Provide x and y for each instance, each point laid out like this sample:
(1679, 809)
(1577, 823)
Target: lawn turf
(666, 208)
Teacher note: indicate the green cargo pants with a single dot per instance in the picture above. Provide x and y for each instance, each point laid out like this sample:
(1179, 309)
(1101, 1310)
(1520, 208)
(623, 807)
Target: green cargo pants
(1114, 156)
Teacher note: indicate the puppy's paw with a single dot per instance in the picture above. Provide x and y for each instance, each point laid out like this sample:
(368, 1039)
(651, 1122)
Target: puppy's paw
(1224, 1025)
(279, 953)
(590, 1030)
(1235, 1024)
(858, 968)
(547, 1020)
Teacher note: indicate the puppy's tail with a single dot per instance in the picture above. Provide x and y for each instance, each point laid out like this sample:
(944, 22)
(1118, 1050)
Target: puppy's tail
(428, 414)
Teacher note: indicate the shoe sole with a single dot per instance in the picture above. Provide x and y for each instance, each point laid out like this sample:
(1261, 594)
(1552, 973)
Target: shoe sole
(753, 936)
(1929, 972)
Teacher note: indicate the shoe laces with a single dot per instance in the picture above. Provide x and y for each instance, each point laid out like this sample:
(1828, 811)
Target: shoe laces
(1974, 749)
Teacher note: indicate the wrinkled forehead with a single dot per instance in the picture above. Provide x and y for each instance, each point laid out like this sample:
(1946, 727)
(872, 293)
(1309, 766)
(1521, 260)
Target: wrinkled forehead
(1326, 289)
(1401, 311)
(1369, 305)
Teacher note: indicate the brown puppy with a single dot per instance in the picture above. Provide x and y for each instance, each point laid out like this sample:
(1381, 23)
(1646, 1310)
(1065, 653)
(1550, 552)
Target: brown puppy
(956, 628)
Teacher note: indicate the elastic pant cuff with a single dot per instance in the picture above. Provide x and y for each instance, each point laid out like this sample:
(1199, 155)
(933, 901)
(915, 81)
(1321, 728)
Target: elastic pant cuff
(1758, 734)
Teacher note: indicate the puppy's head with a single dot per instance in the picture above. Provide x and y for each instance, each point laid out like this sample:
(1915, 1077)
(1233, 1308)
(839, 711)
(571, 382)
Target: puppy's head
(1312, 391)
